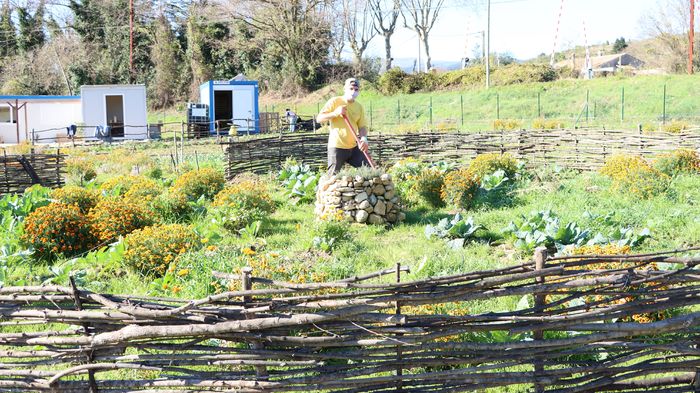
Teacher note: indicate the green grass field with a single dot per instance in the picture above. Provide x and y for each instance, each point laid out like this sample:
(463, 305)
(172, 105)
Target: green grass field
(564, 100)
(288, 233)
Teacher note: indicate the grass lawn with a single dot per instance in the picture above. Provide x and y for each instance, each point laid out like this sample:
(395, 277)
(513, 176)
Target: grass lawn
(472, 109)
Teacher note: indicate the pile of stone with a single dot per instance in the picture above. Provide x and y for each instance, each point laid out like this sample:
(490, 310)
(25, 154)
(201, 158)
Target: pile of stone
(364, 200)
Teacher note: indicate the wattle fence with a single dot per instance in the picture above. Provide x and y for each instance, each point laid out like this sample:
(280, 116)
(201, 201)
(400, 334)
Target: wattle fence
(582, 149)
(19, 171)
(583, 324)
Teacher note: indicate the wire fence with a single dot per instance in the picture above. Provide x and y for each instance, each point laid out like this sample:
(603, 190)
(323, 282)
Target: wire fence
(527, 109)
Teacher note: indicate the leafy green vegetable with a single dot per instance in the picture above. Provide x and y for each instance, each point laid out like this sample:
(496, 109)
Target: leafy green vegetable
(456, 229)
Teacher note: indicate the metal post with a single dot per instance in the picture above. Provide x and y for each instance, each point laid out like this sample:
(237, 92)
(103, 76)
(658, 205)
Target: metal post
(622, 105)
(33, 136)
(539, 105)
(664, 114)
(370, 116)
(587, 93)
(182, 141)
(498, 106)
(691, 38)
(461, 107)
(398, 111)
(488, 44)
(431, 110)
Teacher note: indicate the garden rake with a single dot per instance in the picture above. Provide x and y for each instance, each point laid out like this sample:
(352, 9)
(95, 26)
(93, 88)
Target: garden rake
(354, 134)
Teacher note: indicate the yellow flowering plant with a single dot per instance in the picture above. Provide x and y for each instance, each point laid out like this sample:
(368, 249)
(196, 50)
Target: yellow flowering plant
(113, 217)
(204, 182)
(488, 163)
(241, 203)
(632, 174)
(84, 198)
(57, 229)
(460, 188)
(154, 250)
(679, 161)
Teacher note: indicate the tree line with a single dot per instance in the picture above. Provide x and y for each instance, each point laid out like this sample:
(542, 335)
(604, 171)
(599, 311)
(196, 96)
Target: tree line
(288, 45)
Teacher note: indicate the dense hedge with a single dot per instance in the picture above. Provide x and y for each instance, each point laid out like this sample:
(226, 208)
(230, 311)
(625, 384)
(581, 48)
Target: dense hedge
(397, 81)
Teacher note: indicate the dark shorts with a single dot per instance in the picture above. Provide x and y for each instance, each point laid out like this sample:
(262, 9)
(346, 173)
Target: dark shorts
(338, 157)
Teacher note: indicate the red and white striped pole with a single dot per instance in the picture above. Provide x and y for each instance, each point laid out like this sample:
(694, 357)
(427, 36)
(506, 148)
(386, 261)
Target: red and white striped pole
(691, 37)
(556, 33)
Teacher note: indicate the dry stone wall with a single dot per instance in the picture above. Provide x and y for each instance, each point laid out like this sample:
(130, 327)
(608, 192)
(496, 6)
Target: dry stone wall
(364, 200)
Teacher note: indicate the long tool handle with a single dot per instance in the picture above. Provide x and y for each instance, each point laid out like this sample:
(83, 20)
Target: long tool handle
(354, 134)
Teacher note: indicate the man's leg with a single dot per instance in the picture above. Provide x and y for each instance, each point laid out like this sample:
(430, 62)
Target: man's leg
(357, 158)
(337, 158)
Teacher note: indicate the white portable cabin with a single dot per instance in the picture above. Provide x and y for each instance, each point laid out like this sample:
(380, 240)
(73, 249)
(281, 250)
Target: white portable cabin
(232, 103)
(122, 108)
(44, 118)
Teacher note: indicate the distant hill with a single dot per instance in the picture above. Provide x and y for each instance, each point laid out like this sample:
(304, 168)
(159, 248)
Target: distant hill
(407, 63)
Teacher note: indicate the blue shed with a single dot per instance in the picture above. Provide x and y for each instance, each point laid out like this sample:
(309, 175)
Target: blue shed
(232, 103)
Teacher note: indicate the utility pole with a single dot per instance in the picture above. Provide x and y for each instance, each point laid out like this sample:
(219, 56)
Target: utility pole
(488, 44)
(131, 40)
(691, 36)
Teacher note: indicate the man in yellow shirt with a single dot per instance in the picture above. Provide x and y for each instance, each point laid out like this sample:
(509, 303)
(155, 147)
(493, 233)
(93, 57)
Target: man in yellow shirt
(342, 146)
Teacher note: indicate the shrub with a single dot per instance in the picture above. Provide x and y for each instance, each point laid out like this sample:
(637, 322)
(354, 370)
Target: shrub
(633, 175)
(143, 189)
(73, 195)
(172, 206)
(488, 163)
(330, 230)
(152, 250)
(514, 74)
(241, 203)
(470, 76)
(57, 229)
(391, 82)
(206, 182)
(122, 184)
(403, 173)
(114, 217)
(544, 124)
(420, 81)
(506, 124)
(460, 188)
(80, 169)
(679, 161)
(676, 126)
(427, 185)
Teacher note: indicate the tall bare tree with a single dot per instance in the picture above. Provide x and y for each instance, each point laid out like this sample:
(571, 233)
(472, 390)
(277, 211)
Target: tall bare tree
(667, 25)
(420, 16)
(358, 28)
(385, 13)
(298, 29)
(337, 38)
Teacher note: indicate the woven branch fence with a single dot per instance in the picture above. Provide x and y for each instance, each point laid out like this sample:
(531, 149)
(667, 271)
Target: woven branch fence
(19, 171)
(581, 149)
(591, 324)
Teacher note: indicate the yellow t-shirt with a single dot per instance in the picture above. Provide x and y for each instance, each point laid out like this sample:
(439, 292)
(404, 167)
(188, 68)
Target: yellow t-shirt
(340, 136)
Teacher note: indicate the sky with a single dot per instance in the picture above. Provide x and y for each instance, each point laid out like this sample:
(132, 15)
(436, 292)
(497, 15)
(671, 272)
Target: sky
(523, 28)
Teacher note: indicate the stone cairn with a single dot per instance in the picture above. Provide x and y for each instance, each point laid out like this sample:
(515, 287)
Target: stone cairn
(373, 201)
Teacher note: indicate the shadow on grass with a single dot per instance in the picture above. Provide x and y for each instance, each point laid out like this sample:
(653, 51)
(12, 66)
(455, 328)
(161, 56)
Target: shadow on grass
(497, 200)
(423, 215)
(279, 226)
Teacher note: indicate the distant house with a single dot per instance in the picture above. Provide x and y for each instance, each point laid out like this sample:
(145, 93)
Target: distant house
(20, 115)
(116, 112)
(602, 64)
